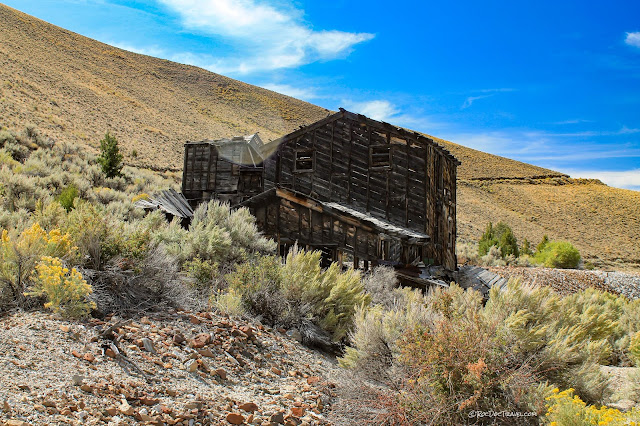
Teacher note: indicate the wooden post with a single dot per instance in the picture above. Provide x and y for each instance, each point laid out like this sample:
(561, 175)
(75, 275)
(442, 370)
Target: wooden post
(366, 265)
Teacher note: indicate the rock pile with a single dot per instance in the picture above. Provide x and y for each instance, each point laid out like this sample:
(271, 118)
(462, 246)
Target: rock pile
(566, 281)
(180, 368)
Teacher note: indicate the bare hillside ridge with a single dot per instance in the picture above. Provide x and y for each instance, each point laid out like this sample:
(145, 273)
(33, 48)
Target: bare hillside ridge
(76, 88)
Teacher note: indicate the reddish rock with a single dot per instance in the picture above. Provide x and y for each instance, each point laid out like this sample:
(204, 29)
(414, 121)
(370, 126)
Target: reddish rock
(298, 411)
(312, 380)
(89, 357)
(149, 401)
(112, 411)
(247, 330)
(194, 320)
(110, 353)
(276, 370)
(277, 418)
(235, 418)
(221, 373)
(249, 407)
(76, 354)
(201, 340)
(178, 338)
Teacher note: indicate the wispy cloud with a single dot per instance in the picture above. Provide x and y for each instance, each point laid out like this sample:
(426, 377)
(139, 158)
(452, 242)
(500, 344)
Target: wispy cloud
(574, 121)
(624, 130)
(265, 36)
(381, 110)
(294, 92)
(488, 93)
(149, 51)
(633, 39)
(629, 179)
(498, 90)
(471, 99)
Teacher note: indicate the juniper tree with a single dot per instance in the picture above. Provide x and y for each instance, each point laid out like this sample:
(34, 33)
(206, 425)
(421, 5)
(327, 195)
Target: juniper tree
(110, 158)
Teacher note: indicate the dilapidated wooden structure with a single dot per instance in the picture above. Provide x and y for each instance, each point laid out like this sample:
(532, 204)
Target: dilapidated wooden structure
(346, 184)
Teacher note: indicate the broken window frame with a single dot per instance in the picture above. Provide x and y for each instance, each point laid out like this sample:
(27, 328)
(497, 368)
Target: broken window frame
(378, 152)
(306, 158)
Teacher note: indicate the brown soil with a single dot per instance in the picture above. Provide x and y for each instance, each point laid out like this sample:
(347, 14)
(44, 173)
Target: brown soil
(75, 89)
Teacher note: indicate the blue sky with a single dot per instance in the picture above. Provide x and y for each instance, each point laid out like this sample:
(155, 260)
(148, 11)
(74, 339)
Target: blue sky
(552, 83)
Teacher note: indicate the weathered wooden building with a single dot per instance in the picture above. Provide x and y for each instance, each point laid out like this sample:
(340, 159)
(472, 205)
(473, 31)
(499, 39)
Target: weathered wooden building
(346, 184)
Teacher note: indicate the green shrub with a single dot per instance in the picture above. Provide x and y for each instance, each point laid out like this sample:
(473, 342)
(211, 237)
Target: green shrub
(299, 290)
(508, 244)
(558, 254)
(542, 244)
(217, 235)
(487, 240)
(373, 343)
(526, 248)
(500, 236)
(68, 196)
(634, 349)
(110, 158)
(258, 284)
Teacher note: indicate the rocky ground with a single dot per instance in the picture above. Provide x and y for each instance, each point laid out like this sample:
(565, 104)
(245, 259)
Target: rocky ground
(177, 368)
(566, 281)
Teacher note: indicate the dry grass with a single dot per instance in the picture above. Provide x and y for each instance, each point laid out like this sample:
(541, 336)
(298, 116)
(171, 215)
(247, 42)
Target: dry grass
(600, 221)
(82, 88)
(74, 89)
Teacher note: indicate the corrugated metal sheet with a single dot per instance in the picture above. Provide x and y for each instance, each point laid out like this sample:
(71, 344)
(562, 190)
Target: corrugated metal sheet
(169, 201)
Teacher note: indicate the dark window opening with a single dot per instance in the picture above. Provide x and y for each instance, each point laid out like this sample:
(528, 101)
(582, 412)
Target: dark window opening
(305, 160)
(380, 156)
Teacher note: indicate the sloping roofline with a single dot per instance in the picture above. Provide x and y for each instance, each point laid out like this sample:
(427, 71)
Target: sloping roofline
(273, 146)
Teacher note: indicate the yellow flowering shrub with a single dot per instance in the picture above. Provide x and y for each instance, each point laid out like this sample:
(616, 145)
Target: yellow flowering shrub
(143, 196)
(567, 409)
(65, 289)
(19, 256)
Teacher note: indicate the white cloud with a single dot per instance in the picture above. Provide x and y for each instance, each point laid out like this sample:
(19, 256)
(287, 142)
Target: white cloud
(574, 121)
(294, 92)
(265, 37)
(149, 51)
(633, 39)
(629, 179)
(469, 101)
(380, 110)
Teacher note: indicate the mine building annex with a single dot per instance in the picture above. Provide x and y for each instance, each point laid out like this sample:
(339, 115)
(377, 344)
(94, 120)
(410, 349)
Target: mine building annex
(352, 187)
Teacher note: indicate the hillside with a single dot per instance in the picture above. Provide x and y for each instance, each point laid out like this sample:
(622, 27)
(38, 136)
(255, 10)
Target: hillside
(74, 89)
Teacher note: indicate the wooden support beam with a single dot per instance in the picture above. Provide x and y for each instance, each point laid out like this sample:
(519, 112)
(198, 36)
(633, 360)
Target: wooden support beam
(388, 177)
(368, 168)
(406, 192)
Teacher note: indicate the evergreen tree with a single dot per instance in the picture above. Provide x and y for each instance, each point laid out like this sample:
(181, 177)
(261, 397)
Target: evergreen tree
(110, 158)
(487, 240)
(508, 243)
(526, 247)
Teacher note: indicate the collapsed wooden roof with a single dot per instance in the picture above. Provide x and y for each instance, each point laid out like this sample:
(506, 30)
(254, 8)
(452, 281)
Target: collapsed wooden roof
(242, 150)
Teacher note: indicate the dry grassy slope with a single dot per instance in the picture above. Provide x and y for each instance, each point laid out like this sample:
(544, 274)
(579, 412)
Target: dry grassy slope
(74, 88)
(603, 222)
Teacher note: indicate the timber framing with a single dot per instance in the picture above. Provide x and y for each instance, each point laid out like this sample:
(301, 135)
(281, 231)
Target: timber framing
(346, 184)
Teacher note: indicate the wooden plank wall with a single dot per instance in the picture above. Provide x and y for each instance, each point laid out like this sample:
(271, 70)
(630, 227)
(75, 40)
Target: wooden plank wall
(417, 191)
(288, 222)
